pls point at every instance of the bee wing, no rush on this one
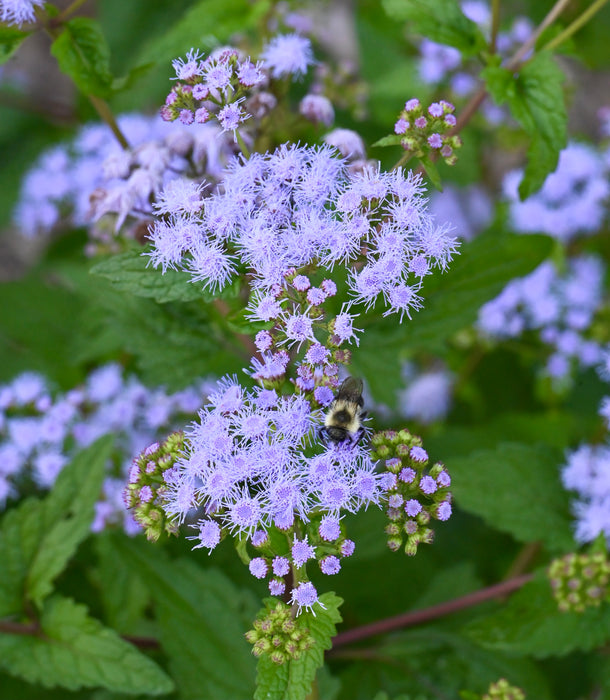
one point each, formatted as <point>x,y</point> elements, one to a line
<point>351,389</point>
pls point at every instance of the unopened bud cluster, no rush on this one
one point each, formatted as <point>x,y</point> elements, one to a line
<point>425,131</point>
<point>502,690</point>
<point>415,493</point>
<point>149,477</point>
<point>279,636</point>
<point>580,581</point>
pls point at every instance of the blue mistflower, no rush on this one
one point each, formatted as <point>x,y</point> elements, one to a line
<point>287,54</point>
<point>305,596</point>
<point>302,551</point>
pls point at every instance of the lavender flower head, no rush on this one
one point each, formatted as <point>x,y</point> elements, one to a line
<point>300,206</point>
<point>18,12</point>
<point>572,200</point>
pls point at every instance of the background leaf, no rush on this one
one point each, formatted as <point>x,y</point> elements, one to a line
<point>531,623</point>
<point>77,651</point>
<point>38,538</point>
<point>10,40</point>
<point>200,615</point>
<point>439,20</point>
<point>535,99</point>
<point>516,488</point>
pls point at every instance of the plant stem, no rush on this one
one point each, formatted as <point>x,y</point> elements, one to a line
<point>528,45</point>
<point>419,617</point>
<point>495,25</point>
<point>71,9</point>
<point>575,25</point>
<point>106,115</point>
<point>242,144</point>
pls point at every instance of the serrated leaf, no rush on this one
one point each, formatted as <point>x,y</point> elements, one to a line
<point>293,680</point>
<point>531,623</point>
<point>452,299</point>
<point>200,619</point>
<point>76,651</point>
<point>38,538</point>
<point>535,99</point>
<point>439,20</point>
<point>10,41</point>
<point>82,53</point>
<point>132,272</point>
<point>516,488</point>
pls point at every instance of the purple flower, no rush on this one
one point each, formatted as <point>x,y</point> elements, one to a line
<point>186,70</point>
<point>258,567</point>
<point>329,529</point>
<point>287,54</point>
<point>330,565</point>
<point>443,510</point>
<point>323,395</point>
<point>281,566</point>
<point>413,507</point>
<point>305,596</point>
<point>427,485</point>
<point>347,548</point>
<point>276,587</point>
<point>318,109</point>
<point>302,551</point>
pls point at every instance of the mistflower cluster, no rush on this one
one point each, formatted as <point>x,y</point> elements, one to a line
<point>41,430</point>
<point>573,200</point>
<point>255,464</point>
<point>503,690</point>
<point>427,396</point>
<point>415,493</point>
<point>425,131</point>
<point>443,65</point>
<point>559,306</point>
<point>580,581</point>
<point>300,206</point>
<point>18,12</point>
<point>278,635</point>
<point>149,476</point>
<point>73,183</point>
<point>217,87</point>
<point>587,472</point>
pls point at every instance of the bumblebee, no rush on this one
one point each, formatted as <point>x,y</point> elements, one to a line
<point>342,422</point>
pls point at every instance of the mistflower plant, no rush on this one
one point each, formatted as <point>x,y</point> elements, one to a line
<point>289,224</point>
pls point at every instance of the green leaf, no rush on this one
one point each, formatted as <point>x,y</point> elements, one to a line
<point>83,54</point>
<point>452,661</point>
<point>132,273</point>
<point>124,595</point>
<point>10,41</point>
<point>38,538</point>
<point>531,623</point>
<point>432,173</point>
<point>535,99</point>
<point>76,651</point>
<point>516,488</point>
<point>293,680</point>
<point>205,25</point>
<point>201,626</point>
<point>37,324</point>
<point>439,20</point>
<point>390,140</point>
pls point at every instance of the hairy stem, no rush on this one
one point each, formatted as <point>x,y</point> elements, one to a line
<point>70,10</point>
<point>419,617</point>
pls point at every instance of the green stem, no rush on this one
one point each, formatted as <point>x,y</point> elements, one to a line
<point>495,25</point>
<point>106,115</point>
<point>575,25</point>
<point>527,46</point>
<point>242,144</point>
<point>71,9</point>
